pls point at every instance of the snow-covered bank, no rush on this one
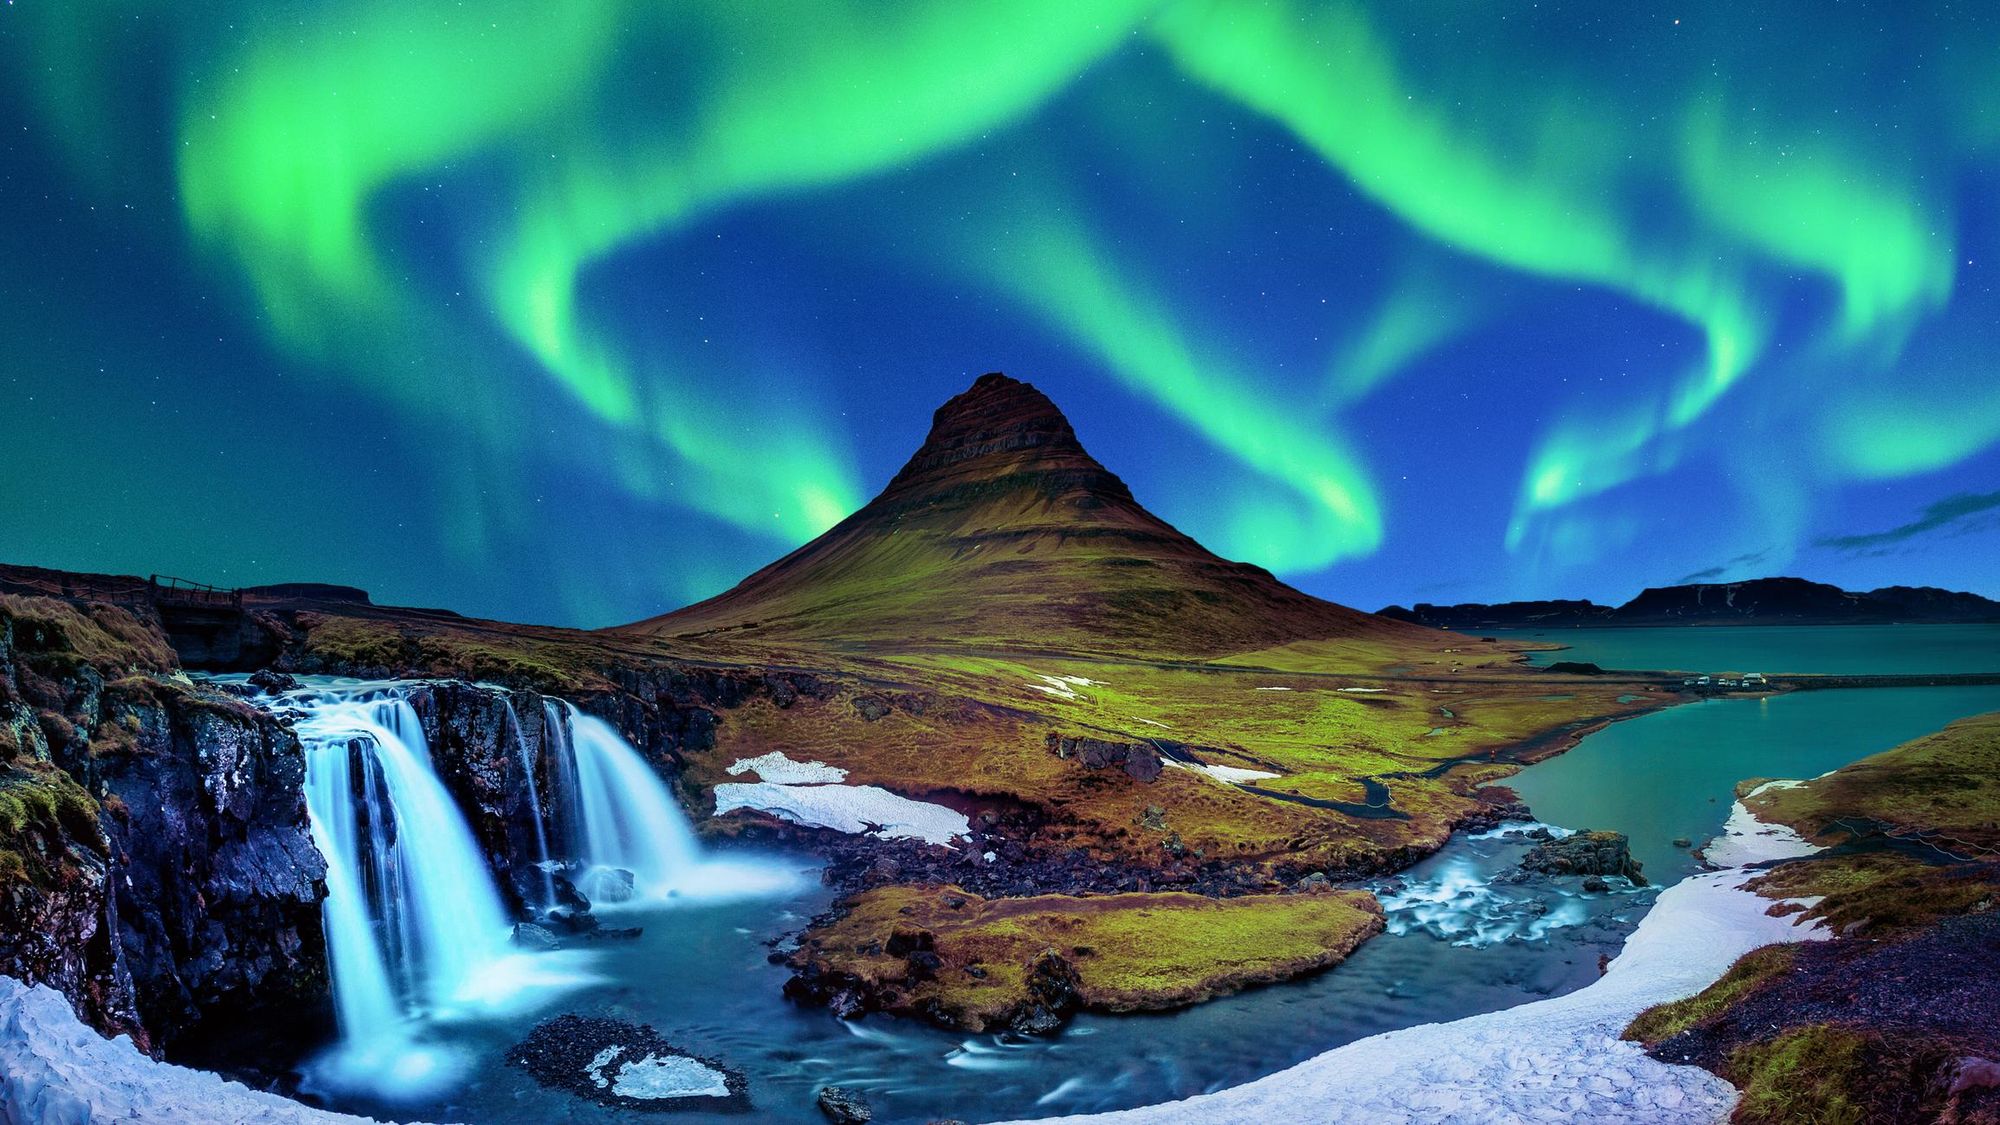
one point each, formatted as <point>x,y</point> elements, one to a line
<point>56,1071</point>
<point>1553,1060</point>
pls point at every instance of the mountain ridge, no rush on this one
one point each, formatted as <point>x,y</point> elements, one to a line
<point>1757,601</point>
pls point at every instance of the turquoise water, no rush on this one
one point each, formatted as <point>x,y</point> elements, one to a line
<point>1672,774</point>
<point>1835,649</point>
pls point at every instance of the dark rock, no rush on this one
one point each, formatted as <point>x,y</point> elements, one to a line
<point>569,1053</point>
<point>1140,760</point>
<point>566,894</point>
<point>1584,853</point>
<point>1055,992</point>
<point>870,707</point>
<point>1683,842</point>
<point>574,921</point>
<point>273,683</point>
<point>615,933</point>
<point>529,936</point>
<point>844,1107</point>
<point>847,1004</point>
<point>1314,884</point>
<point>1595,885</point>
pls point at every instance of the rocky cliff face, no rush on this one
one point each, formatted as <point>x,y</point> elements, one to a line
<point>155,860</point>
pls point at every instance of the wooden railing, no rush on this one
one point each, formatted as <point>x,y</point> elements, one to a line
<point>170,591</point>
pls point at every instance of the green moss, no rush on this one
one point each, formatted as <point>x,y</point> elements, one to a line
<point>1812,1075</point>
<point>1880,892</point>
<point>38,806</point>
<point>1750,971</point>
<point>1130,951</point>
<point>59,636</point>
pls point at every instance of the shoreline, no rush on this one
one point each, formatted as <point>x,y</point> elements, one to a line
<point>1562,1055</point>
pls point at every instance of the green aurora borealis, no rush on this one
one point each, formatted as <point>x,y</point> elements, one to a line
<point>574,312</point>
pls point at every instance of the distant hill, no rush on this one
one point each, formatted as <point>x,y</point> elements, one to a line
<point>1001,530</point>
<point>1761,601</point>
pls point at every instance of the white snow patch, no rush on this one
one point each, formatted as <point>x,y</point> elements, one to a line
<point>56,1071</point>
<point>775,766</point>
<point>1063,687</point>
<point>1363,690</point>
<point>669,1076</point>
<point>857,809</point>
<point>1745,839</point>
<point>1551,1060</point>
<point>595,1067</point>
<point>1274,689</point>
<point>1155,723</point>
<point>1230,774</point>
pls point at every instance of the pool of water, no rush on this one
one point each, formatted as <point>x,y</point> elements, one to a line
<point>1831,649</point>
<point>700,974</point>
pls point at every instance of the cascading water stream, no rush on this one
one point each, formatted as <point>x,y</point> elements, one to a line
<point>535,811</point>
<point>619,814</point>
<point>414,923</point>
<point>417,933</point>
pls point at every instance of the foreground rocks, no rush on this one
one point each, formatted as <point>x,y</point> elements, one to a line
<point>627,1066</point>
<point>156,864</point>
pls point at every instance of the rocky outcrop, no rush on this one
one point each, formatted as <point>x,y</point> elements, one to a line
<point>1584,853</point>
<point>156,865</point>
<point>1139,759</point>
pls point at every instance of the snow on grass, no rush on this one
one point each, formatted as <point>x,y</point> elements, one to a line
<point>776,767</point>
<point>1274,689</point>
<point>1154,723</point>
<point>1553,1060</point>
<point>1231,774</point>
<point>1063,687</point>
<point>1745,839</point>
<point>1363,690</point>
<point>56,1071</point>
<point>857,809</point>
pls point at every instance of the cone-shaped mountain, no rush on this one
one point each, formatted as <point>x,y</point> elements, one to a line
<point>1001,530</point>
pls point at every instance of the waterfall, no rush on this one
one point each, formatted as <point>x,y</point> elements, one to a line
<point>413,913</point>
<point>619,815</point>
<point>415,928</point>
<point>534,803</point>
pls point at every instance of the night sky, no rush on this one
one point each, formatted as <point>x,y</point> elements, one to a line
<point>575,311</point>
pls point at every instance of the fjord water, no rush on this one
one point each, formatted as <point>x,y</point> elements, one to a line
<point>1672,774</point>
<point>1848,650</point>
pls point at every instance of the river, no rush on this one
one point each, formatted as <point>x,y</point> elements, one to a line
<point>1464,938</point>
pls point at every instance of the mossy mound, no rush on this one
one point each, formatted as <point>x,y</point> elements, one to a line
<point>968,962</point>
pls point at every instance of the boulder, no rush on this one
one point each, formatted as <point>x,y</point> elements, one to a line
<point>1141,760</point>
<point>535,938</point>
<point>1585,853</point>
<point>845,1107</point>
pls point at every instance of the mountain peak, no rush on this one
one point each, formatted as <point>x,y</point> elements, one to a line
<point>1002,530</point>
<point>998,426</point>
